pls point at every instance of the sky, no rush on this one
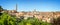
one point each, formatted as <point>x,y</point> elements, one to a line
<point>30,5</point>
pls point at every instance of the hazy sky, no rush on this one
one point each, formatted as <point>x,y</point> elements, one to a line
<point>30,5</point>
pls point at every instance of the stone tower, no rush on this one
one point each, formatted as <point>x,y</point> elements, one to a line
<point>16,7</point>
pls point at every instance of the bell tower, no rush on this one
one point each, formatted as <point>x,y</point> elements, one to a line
<point>16,7</point>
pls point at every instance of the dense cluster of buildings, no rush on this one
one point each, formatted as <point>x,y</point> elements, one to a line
<point>44,16</point>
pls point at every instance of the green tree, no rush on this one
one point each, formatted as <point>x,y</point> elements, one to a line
<point>1,8</point>
<point>6,19</point>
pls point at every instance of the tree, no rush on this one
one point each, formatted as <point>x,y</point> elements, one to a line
<point>6,19</point>
<point>1,8</point>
